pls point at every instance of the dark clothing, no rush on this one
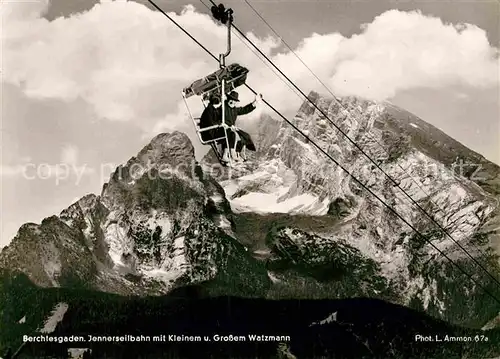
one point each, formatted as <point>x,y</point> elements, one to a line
<point>231,139</point>
<point>245,140</point>
<point>231,113</point>
<point>211,116</point>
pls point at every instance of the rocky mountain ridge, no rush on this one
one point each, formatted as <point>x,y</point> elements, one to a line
<point>164,221</point>
<point>156,225</point>
<point>290,175</point>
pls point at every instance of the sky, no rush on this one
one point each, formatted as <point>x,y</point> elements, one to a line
<point>86,84</point>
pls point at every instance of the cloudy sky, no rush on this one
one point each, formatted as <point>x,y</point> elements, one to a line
<point>86,84</point>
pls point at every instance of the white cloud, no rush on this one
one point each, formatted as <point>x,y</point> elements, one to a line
<point>66,169</point>
<point>24,10</point>
<point>130,63</point>
<point>11,170</point>
<point>404,50</point>
<point>15,170</point>
<point>69,154</point>
<point>124,59</point>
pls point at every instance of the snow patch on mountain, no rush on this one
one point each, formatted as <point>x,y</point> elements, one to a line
<point>268,189</point>
<point>222,222</point>
<point>269,203</point>
<point>330,319</point>
<point>273,277</point>
<point>179,253</point>
<point>78,353</point>
<point>52,263</point>
<point>116,236</point>
<point>55,317</point>
<point>165,276</point>
<point>159,220</point>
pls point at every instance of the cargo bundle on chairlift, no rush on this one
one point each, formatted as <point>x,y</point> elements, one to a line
<point>235,75</point>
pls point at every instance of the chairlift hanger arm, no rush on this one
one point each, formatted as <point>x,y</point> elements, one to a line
<point>225,80</point>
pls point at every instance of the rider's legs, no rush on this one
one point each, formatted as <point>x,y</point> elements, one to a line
<point>241,150</point>
<point>243,153</point>
<point>233,140</point>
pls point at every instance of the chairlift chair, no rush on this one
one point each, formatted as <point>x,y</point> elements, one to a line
<point>221,81</point>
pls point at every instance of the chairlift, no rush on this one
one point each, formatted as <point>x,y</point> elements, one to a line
<point>219,83</point>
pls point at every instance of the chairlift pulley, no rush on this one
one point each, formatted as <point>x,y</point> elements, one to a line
<point>220,13</point>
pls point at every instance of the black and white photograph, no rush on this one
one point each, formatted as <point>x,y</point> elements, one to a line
<point>247,179</point>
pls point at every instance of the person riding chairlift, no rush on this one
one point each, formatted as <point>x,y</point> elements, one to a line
<point>238,139</point>
<point>212,116</point>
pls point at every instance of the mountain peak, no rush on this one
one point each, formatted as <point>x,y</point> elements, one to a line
<point>165,151</point>
<point>173,148</point>
<point>166,156</point>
